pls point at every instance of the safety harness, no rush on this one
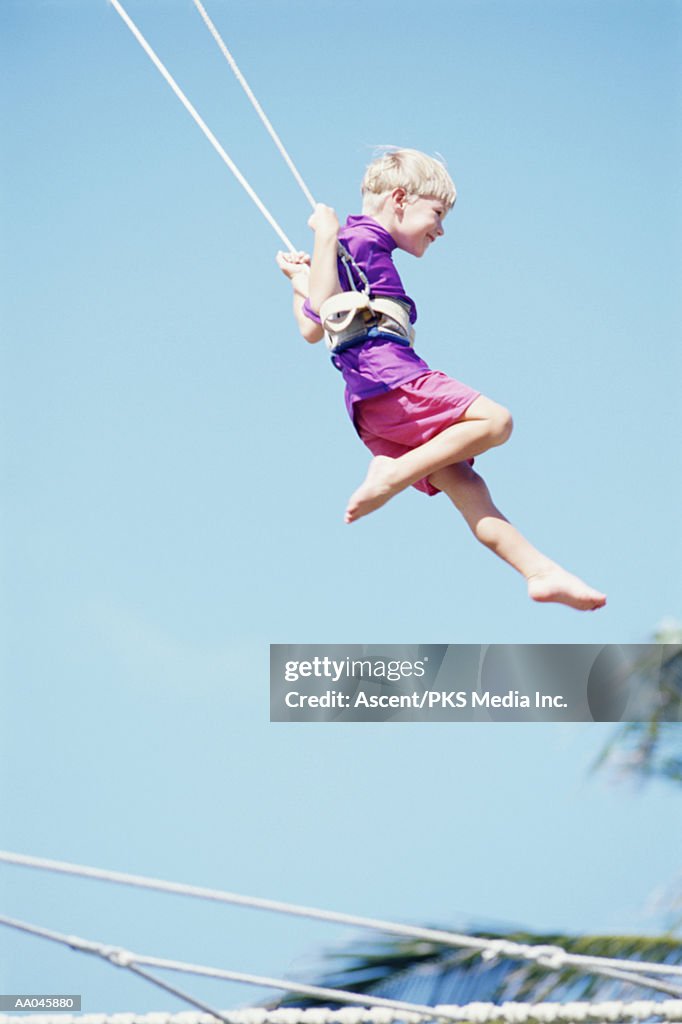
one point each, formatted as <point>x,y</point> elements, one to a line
<point>349,317</point>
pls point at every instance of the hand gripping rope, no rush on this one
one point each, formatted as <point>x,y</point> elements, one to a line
<point>344,254</point>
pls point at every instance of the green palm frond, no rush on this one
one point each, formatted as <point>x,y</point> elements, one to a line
<point>430,973</point>
<point>652,749</point>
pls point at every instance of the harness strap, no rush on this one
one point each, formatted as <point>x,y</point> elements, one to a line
<point>347,316</point>
<point>338,312</point>
<point>349,262</point>
<point>396,311</point>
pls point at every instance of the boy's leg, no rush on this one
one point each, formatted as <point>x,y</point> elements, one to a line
<point>484,425</point>
<point>546,580</point>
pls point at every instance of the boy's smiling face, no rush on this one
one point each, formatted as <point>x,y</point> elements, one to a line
<point>418,221</point>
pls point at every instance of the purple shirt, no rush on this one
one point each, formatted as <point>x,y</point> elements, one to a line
<point>377,364</point>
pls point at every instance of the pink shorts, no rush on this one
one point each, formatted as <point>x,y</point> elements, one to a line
<point>397,421</point>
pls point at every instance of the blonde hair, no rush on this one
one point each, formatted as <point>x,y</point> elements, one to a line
<point>417,173</point>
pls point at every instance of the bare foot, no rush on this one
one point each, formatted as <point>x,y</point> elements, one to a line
<point>561,587</point>
<point>375,491</point>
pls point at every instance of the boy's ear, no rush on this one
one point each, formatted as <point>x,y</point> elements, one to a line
<point>399,197</point>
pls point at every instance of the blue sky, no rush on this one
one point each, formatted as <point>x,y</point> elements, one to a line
<point>176,464</point>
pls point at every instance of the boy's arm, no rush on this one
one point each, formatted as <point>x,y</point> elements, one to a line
<point>324,276</point>
<point>310,330</point>
<point>297,268</point>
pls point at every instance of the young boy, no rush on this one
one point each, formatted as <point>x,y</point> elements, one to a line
<point>423,427</point>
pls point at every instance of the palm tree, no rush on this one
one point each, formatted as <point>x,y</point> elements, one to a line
<point>431,973</point>
<point>644,750</point>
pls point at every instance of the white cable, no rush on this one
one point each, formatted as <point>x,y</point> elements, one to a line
<point>256,105</point>
<point>344,253</point>
<point>202,124</point>
<point>125,958</point>
<point>550,957</point>
<point>315,991</point>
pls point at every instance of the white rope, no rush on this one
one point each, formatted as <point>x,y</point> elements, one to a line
<point>254,102</point>
<point>175,991</point>
<point>202,124</point>
<point>550,957</point>
<point>471,1013</point>
<point>343,251</point>
<point>125,958</point>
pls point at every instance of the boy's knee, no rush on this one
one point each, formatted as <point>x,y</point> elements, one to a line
<point>501,425</point>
